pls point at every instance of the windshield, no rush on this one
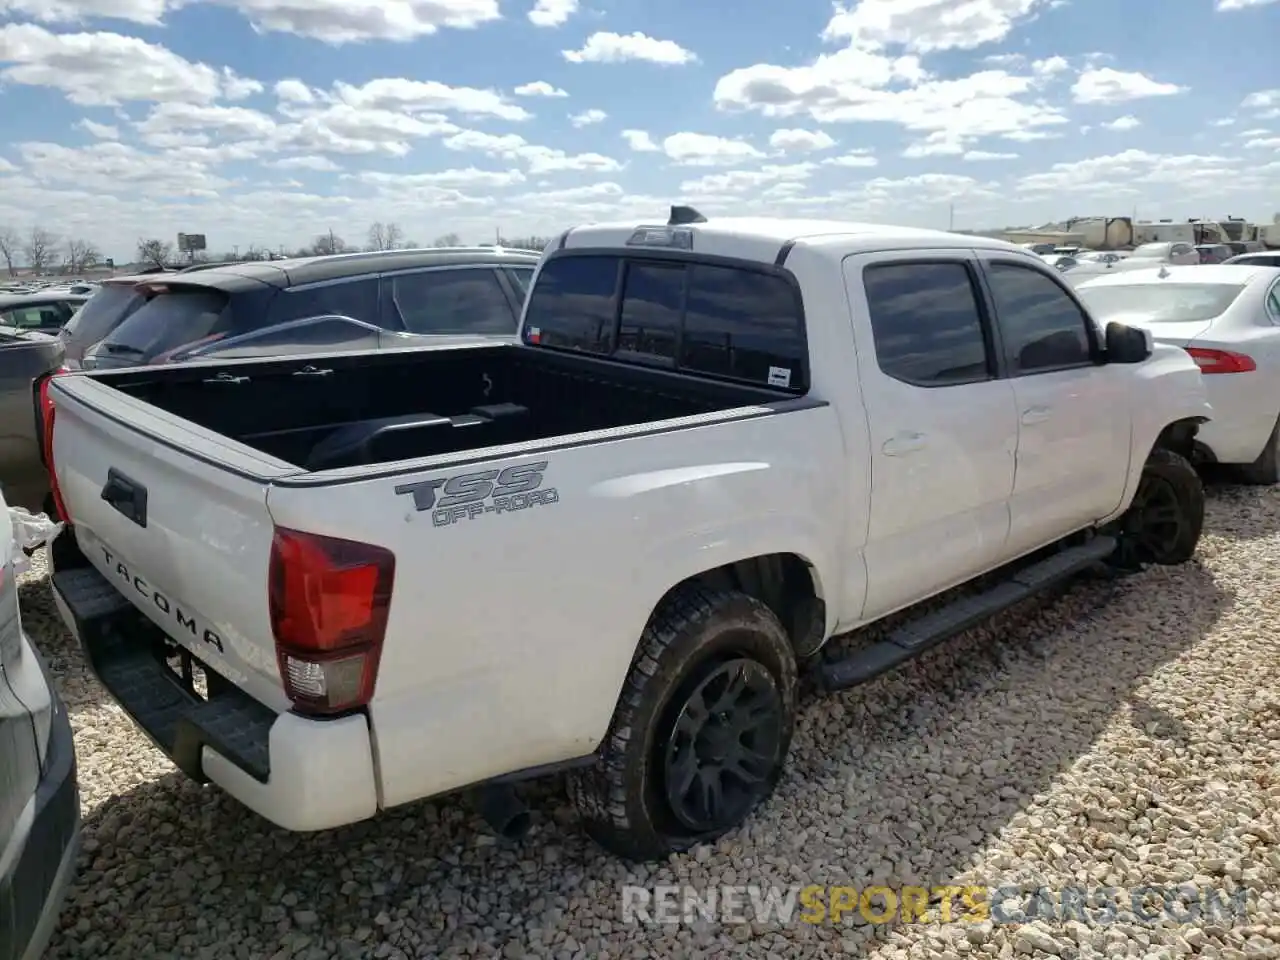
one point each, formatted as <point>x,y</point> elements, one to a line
<point>169,320</point>
<point>1151,250</point>
<point>1159,303</point>
<point>102,312</point>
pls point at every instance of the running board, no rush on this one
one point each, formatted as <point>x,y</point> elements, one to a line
<point>928,631</point>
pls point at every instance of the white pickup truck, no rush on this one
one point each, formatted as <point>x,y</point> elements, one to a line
<point>336,584</point>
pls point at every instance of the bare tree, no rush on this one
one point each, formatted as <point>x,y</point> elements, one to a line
<point>81,255</point>
<point>448,240</point>
<point>327,243</point>
<point>10,242</point>
<point>156,252</point>
<point>40,249</point>
<point>525,243</point>
<point>386,236</point>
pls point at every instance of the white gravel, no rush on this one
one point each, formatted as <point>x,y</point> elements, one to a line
<point>1120,735</point>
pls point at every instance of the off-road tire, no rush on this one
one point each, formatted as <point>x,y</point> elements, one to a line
<point>621,798</point>
<point>1178,477</point>
<point>1266,469</point>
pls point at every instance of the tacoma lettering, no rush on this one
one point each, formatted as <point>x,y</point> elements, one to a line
<point>162,603</point>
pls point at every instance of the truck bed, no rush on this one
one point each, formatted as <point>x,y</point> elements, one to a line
<point>352,410</point>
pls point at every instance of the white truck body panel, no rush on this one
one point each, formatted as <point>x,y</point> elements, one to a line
<point>509,640</point>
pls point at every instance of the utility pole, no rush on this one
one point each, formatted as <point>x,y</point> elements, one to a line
<point>497,236</point>
<point>951,216</point>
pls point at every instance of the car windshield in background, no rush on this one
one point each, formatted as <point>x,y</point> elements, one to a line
<point>1159,303</point>
<point>170,320</point>
<point>102,311</point>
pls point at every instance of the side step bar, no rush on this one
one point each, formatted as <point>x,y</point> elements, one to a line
<point>928,631</point>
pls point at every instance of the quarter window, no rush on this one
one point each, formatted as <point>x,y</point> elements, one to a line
<point>357,299</point>
<point>1040,324</point>
<point>926,323</point>
<point>444,302</point>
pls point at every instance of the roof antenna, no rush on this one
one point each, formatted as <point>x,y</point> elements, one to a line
<point>682,215</point>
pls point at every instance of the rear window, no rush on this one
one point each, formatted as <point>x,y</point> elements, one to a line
<point>726,321</point>
<point>103,311</point>
<point>172,319</point>
<point>1159,303</point>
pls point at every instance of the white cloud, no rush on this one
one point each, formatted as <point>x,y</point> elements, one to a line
<point>397,93</point>
<point>588,118</point>
<point>552,13</point>
<point>540,159</point>
<point>972,156</point>
<point>539,88</point>
<point>605,47</point>
<point>854,158</point>
<point>801,140</point>
<point>640,141</point>
<point>77,11</point>
<point>469,177</point>
<point>1264,104</point>
<point>305,162</point>
<point>106,69</point>
<point>6,166</point>
<point>353,21</point>
<point>739,181</point>
<point>1128,122</point>
<point>1225,5</point>
<point>112,167</point>
<point>704,150</point>
<point>294,91</point>
<point>1263,143</point>
<point>103,131</point>
<point>1105,85</point>
<point>925,26</point>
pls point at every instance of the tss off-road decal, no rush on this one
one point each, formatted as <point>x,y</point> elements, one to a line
<point>465,496</point>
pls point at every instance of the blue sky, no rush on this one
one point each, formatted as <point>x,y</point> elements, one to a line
<point>266,122</point>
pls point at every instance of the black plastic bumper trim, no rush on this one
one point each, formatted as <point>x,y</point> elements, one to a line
<point>121,647</point>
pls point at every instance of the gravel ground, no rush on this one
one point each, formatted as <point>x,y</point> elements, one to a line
<point>1117,735</point>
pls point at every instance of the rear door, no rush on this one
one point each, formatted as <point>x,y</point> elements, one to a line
<point>942,423</point>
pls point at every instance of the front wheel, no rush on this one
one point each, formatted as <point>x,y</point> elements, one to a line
<point>701,731</point>
<point>1164,521</point>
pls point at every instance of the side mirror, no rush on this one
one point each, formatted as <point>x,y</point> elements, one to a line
<point>1128,344</point>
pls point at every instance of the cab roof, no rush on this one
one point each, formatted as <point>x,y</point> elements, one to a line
<point>763,238</point>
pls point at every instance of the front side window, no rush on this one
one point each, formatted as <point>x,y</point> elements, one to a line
<point>453,302</point>
<point>926,323</point>
<point>1040,324</point>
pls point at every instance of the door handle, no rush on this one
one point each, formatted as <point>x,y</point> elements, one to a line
<point>903,443</point>
<point>1036,415</point>
<point>127,496</point>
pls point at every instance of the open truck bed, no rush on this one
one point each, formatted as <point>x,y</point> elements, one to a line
<point>358,410</point>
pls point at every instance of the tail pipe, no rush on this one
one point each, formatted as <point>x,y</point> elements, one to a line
<point>505,813</point>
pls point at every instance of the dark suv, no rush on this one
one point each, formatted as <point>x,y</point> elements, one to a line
<point>116,299</point>
<point>373,301</point>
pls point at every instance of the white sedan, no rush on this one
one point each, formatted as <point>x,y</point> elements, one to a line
<point>1228,318</point>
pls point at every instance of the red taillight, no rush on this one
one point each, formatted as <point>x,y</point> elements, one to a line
<point>46,436</point>
<point>329,600</point>
<point>1221,361</point>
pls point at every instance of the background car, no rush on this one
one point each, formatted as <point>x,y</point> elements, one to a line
<point>43,312</point>
<point>1228,318</point>
<point>1213,252</point>
<point>1267,258</point>
<point>39,797</point>
<point>115,300</point>
<point>373,301</point>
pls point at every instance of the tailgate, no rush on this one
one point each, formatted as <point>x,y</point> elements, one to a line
<point>176,518</point>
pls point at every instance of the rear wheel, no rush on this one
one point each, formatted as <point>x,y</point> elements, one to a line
<point>1266,469</point>
<point>1164,521</point>
<point>702,729</point>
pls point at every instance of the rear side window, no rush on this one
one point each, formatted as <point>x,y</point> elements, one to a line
<point>726,321</point>
<point>357,299</point>
<point>103,312</point>
<point>468,301</point>
<point>521,277</point>
<point>926,323</point>
<point>45,316</point>
<point>1040,324</point>
<point>172,319</point>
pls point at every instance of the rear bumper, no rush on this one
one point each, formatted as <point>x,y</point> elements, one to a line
<point>299,773</point>
<point>34,885</point>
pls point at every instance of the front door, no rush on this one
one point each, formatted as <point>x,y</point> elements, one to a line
<point>1073,411</point>
<point>943,427</point>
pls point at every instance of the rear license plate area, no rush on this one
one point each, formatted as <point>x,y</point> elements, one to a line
<point>186,672</point>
